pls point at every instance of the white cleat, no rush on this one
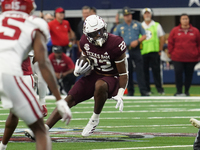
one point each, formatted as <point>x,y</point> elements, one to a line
<point>90,127</point>
<point>29,133</point>
<point>195,123</point>
<point>2,146</point>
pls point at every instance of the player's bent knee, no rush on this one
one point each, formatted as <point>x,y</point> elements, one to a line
<point>70,101</point>
<point>101,86</point>
<point>38,126</point>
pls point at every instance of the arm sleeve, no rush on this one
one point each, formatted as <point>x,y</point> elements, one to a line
<point>160,31</point>
<point>40,25</point>
<point>171,41</point>
<point>142,30</point>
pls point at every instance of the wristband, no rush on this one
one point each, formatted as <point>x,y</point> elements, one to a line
<point>138,41</point>
<point>59,101</point>
<point>122,74</point>
<point>121,92</point>
<point>120,60</point>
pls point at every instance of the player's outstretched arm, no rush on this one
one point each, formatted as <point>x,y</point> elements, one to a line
<point>122,67</point>
<point>40,51</point>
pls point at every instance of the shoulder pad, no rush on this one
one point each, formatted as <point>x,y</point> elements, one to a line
<point>41,25</point>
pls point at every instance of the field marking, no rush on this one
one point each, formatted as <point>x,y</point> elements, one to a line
<point>50,97</point>
<point>175,117</point>
<point>152,147</point>
<point>145,100</point>
<point>134,111</point>
<point>135,126</point>
<point>127,126</point>
<point>139,106</point>
<point>136,118</point>
<point>127,118</point>
<point>142,111</point>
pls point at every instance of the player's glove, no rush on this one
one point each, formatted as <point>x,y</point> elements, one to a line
<point>64,110</point>
<point>119,99</point>
<point>79,69</point>
<point>120,103</point>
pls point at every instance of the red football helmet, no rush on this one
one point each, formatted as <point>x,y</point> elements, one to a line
<point>27,6</point>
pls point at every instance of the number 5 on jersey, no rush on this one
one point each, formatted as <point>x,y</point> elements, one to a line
<point>8,31</point>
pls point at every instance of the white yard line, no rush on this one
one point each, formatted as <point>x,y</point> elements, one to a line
<point>136,118</point>
<point>132,111</point>
<point>143,97</point>
<point>146,101</point>
<point>142,111</point>
<point>130,118</point>
<point>138,106</point>
<point>141,100</point>
<point>136,126</point>
<point>152,147</point>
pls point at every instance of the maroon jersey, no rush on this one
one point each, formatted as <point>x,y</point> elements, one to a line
<point>104,57</point>
<point>26,67</point>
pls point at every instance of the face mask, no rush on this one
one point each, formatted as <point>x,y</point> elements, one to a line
<point>100,41</point>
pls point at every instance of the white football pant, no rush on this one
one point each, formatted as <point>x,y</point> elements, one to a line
<point>18,95</point>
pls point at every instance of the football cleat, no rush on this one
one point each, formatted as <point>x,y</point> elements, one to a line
<point>195,123</point>
<point>90,127</point>
<point>2,146</point>
<point>44,110</point>
<point>29,133</point>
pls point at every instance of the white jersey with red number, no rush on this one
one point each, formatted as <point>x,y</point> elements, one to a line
<point>17,31</point>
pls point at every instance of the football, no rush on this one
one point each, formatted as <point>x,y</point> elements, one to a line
<point>85,59</point>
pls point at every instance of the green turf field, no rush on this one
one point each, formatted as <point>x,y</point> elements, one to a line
<point>146,123</point>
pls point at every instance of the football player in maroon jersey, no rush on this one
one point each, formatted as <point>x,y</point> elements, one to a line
<point>109,76</point>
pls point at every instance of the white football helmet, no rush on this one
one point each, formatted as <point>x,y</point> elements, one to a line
<point>27,6</point>
<point>94,28</point>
